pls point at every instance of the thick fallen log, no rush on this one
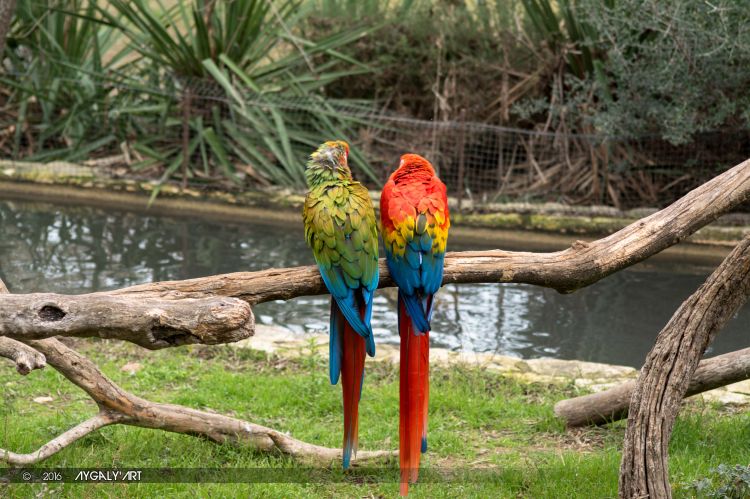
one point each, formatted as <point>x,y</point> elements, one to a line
<point>150,322</point>
<point>582,264</point>
<point>669,367</point>
<point>612,405</point>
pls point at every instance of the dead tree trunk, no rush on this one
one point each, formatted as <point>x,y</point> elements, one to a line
<point>119,406</point>
<point>669,367</point>
<point>612,405</point>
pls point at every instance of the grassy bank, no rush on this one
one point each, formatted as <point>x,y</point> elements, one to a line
<point>490,436</point>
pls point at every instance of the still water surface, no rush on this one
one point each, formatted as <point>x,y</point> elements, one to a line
<point>67,249</point>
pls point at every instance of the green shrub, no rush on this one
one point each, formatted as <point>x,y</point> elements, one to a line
<point>725,482</point>
<point>675,69</point>
<point>59,80</point>
<point>193,89</point>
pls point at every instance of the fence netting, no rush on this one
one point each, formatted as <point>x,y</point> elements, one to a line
<point>479,162</point>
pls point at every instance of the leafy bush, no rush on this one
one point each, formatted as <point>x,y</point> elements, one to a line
<point>165,81</point>
<point>623,68</point>
<point>674,68</point>
<point>57,80</point>
<point>436,59</point>
<point>252,45</point>
<point>725,482</point>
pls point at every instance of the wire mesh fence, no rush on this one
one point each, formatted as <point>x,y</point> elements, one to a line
<point>487,163</point>
<point>478,162</point>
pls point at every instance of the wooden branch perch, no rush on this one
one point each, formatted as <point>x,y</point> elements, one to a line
<point>157,315</point>
<point>165,314</point>
<point>669,367</point>
<point>150,322</point>
<point>566,271</point>
<point>26,358</point>
<point>612,405</point>
<point>118,406</point>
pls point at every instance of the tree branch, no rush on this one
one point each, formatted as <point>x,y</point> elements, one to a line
<point>26,358</point>
<point>150,322</point>
<point>612,405</point>
<point>57,444</point>
<point>566,271</point>
<point>669,367</point>
<point>119,406</point>
<point>133,410</point>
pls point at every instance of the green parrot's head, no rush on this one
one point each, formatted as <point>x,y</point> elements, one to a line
<point>328,162</point>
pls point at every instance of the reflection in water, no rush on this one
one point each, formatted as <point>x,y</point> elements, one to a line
<point>78,250</point>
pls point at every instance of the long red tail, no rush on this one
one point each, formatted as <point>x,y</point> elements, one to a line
<point>352,374</point>
<point>414,394</point>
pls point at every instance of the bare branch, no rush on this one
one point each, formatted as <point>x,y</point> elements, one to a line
<point>136,411</point>
<point>26,358</point>
<point>54,446</point>
<point>118,406</point>
<point>152,323</point>
<point>581,265</point>
<point>612,405</point>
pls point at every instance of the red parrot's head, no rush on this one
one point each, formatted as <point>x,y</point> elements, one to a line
<point>413,166</point>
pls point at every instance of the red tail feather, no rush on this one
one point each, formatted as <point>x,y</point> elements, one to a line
<point>414,386</point>
<point>352,371</point>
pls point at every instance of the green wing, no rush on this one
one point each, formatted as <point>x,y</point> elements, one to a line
<point>340,228</point>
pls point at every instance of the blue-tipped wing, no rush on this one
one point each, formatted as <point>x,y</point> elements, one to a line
<point>418,274</point>
<point>340,228</point>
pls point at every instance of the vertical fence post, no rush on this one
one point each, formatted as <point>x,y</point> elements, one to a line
<point>595,187</point>
<point>186,103</point>
<point>500,159</point>
<point>461,165</point>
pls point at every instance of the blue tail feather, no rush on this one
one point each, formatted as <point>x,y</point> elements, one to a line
<point>416,312</point>
<point>335,348</point>
<point>351,313</point>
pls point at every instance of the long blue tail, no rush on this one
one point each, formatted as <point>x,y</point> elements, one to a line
<point>347,359</point>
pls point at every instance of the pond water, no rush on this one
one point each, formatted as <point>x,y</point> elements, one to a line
<point>67,249</point>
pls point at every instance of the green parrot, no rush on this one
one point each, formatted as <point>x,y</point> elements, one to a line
<point>341,230</point>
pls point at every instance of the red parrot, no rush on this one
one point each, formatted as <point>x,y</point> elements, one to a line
<point>414,222</point>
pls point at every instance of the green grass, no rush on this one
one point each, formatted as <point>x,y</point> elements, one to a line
<point>490,436</point>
